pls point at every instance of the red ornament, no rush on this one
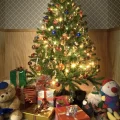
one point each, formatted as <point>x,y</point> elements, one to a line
<point>55,22</point>
<point>33,54</point>
<point>58,48</point>
<point>49,9</point>
<point>81,13</point>
<point>57,84</point>
<point>57,5</point>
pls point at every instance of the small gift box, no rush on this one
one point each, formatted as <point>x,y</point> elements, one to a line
<point>29,114</point>
<point>78,113</point>
<point>18,77</point>
<point>61,101</point>
<point>48,94</point>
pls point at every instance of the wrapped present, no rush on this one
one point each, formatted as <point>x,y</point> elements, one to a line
<point>62,101</point>
<point>72,112</point>
<point>48,94</point>
<point>30,94</point>
<point>30,114</point>
<point>18,77</point>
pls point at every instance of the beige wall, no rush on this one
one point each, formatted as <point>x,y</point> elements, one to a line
<point>114,54</point>
<point>18,45</point>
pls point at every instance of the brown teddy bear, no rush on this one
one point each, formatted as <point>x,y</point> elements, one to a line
<point>9,103</point>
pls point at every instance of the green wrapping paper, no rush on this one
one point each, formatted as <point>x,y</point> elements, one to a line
<point>22,78</point>
<point>13,77</point>
<point>18,78</point>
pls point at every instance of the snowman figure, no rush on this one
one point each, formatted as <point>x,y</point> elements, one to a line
<point>109,93</point>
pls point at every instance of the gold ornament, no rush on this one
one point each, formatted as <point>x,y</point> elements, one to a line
<point>61,66</point>
<point>38,68</point>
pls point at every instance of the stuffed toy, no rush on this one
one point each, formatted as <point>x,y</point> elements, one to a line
<point>93,99</point>
<point>109,92</point>
<point>9,103</point>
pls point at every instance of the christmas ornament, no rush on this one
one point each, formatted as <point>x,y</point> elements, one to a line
<point>49,9</point>
<point>78,34</point>
<point>66,12</point>
<point>40,37</point>
<point>46,17</point>
<point>29,63</point>
<point>33,54</point>
<point>53,32</point>
<point>36,37</point>
<point>65,36</point>
<point>61,66</point>
<point>81,13</point>
<point>58,48</point>
<point>55,22</point>
<point>57,5</point>
<point>33,47</point>
<point>38,68</point>
<point>57,84</point>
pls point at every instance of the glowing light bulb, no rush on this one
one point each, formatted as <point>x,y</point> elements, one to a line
<point>66,28</point>
<point>52,27</point>
<point>58,27</point>
<point>73,65</point>
<point>87,66</point>
<point>81,66</point>
<point>66,70</point>
<point>54,42</point>
<point>42,27</point>
<point>68,3</point>
<point>61,7</point>
<point>60,19</point>
<point>88,54</point>
<point>49,29</point>
<point>53,82</point>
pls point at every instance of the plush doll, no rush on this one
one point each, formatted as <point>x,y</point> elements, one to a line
<point>9,103</point>
<point>109,92</point>
<point>94,100</point>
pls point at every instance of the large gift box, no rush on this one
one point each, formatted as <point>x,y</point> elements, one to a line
<point>48,94</point>
<point>61,114</point>
<point>29,114</point>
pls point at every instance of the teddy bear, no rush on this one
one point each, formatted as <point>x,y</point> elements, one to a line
<point>9,103</point>
<point>110,98</point>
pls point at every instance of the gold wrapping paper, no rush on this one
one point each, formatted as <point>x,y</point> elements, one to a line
<point>29,114</point>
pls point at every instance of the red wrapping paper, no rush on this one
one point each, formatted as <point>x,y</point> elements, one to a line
<point>30,94</point>
<point>61,114</point>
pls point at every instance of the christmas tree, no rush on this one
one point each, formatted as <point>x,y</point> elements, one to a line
<point>63,49</point>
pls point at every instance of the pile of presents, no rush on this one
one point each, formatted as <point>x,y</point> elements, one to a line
<point>41,103</point>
